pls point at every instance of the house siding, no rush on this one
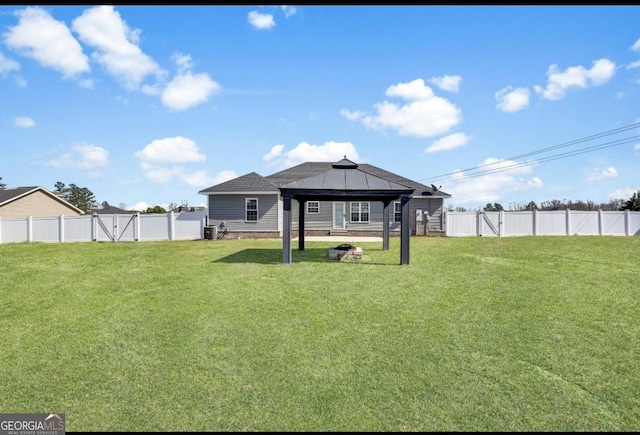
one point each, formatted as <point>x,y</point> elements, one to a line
<point>36,204</point>
<point>231,210</point>
<point>324,220</point>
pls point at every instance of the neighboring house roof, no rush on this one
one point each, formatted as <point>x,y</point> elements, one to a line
<point>254,182</point>
<point>10,195</point>
<point>111,210</point>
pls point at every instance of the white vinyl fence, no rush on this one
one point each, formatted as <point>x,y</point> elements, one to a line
<point>542,223</point>
<point>104,227</point>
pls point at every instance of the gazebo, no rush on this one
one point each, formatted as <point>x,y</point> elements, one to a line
<point>345,181</point>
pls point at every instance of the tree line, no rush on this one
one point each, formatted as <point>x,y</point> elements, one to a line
<point>632,203</point>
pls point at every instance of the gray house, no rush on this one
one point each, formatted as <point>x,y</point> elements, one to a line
<point>252,205</point>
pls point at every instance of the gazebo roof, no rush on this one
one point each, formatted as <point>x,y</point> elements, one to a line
<point>345,179</point>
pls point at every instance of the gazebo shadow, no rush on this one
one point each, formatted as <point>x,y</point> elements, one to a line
<point>308,255</point>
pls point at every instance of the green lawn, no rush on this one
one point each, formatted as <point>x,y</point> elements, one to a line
<point>476,334</point>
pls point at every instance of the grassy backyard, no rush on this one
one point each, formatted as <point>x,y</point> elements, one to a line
<point>476,334</point>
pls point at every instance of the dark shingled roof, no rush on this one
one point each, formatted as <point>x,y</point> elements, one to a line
<point>345,175</point>
<point>254,182</point>
<point>251,182</point>
<point>8,195</point>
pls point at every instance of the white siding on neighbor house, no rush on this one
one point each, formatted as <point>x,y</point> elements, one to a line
<point>35,204</point>
<point>231,210</point>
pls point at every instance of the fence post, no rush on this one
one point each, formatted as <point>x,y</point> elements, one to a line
<point>568,222</point>
<point>534,216</point>
<point>29,229</point>
<point>627,222</point>
<point>136,227</point>
<point>444,218</point>
<point>600,223</point>
<point>61,228</point>
<point>501,223</point>
<point>479,224</point>
<point>94,229</point>
<point>172,233</point>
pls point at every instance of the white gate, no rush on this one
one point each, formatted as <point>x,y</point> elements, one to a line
<point>115,227</point>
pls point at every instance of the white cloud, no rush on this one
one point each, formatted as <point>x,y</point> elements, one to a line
<point>7,65</point>
<point>624,193</point>
<point>86,83</point>
<point>600,174</point>
<point>450,142</point>
<point>159,160</point>
<point>275,151</point>
<point>512,100</point>
<point>261,21</point>
<point>188,90</point>
<point>39,36</point>
<point>140,206</point>
<point>160,174</point>
<point>635,47</point>
<point>24,122</point>
<point>200,178</point>
<point>116,44</point>
<point>575,77</point>
<point>183,61</point>
<point>20,82</point>
<point>83,156</point>
<point>305,152</point>
<point>176,149</point>
<point>352,116</point>
<point>637,149</point>
<point>492,187</point>
<point>447,83</point>
<point>289,10</point>
<point>424,115</point>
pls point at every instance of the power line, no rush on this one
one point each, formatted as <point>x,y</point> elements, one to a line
<point>515,165</point>
<point>542,150</point>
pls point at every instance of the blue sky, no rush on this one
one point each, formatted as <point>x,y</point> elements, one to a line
<point>148,105</point>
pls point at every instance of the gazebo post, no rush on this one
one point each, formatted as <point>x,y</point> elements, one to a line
<point>301,205</point>
<point>286,237</point>
<point>404,231</point>
<point>385,225</point>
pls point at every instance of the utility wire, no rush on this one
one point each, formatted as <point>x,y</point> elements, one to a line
<point>515,165</point>
<point>542,150</point>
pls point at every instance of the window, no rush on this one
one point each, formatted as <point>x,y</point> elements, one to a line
<point>251,209</point>
<point>313,207</point>
<point>397,211</point>
<point>359,212</point>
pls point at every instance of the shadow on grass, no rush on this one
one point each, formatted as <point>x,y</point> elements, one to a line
<point>309,255</point>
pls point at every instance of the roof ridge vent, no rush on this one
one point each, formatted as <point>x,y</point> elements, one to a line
<point>345,164</point>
